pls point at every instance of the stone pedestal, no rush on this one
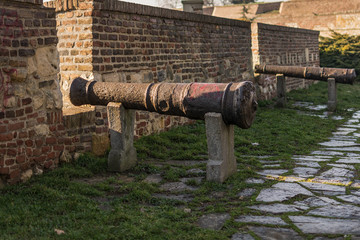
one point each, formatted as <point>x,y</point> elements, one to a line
<point>220,141</point>
<point>331,95</point>
<point>280,90</point>
<point>122,155</point>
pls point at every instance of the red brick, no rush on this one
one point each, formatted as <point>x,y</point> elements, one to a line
<point>6,137</point>
<point>20,159</point>
<point>29,110</point>
<point>19,113</point>
<point>29,152</point>
<point>50,140</point>
<point>36,152</point>
<point>19,142</point>
<point>45,149</point>
<point>23,135</point>
<point>9,162</point>
<point>51,155</point>
<point>40,120</point>
<point>11,145</point>
<point>39,142</point>
<point>29,143</point>
<point>33,115</point>
<point>4,170</point>
<point>58,148</point>
<point>26,101</point>
<point>16,126</point>
<point>3,129</point>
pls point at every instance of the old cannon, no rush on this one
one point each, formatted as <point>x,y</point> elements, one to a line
<point>331,75</point>
<point>222,105</point>
<point>235,101</point>
<point>341,75</point>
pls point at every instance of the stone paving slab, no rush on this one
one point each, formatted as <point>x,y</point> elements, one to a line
<point>305,171</point>
<point>337,143</point>
<point>350,198</point>
<point>261,220</point>
<point>349,160</point>
<point>281,192</point>
<point>213,221</point>
<point>279,208</point>
<point>267,233</point>
<point>255,180</point>
<point>327,153</point>
<point>317,202</point>
<point>337,211</point>
<point>242,236</point>
<point>323,187</point>
<point>317,225</point>
<point>309,164</point>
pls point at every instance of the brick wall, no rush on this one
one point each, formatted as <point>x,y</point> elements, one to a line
<point>322,15</point>
<point>34,134</point>
<point>116,41</point>
<point>30,100</point>
<point>283,46</point>
<point>43,48</point>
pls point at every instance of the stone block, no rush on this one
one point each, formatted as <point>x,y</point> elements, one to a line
<point>122,155</point>
<point>331,95</point>
<point>100,144</point>
<point>220,141</point>
<point>280,90</point>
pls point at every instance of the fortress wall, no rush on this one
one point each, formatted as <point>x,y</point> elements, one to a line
<point>283,46</point>
<point>320,15</point>
<point>30,99</point>
<point>44,46</point>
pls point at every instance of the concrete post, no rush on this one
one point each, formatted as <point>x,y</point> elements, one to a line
<point>122,155</point>
<point>280,90</point>
<point>331,95</point>
<point>195,6</point>
<point>220,141</point>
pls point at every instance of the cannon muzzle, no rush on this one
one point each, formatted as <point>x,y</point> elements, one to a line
<point>235,101</point>
<point>341,75</point>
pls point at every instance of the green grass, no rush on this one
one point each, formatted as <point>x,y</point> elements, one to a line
<point>114,207</point>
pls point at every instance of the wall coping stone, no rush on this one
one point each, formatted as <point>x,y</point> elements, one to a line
<point>126,7</point>
<point>270,27</point>
<point>37,2</point>
<point>134,8</point>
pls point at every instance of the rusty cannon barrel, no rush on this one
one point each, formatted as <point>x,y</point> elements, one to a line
<point>235,101</point>
<point>341,75</point>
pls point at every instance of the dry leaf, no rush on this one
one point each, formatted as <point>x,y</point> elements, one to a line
<point>59,232</point>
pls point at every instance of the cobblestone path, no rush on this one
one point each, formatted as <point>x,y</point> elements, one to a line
<point>319,197</point>
<point>331,197</point>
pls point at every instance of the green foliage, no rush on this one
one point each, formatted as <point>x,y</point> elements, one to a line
<point>340,51</point>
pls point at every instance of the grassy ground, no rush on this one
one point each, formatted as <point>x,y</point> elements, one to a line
<point>86,202</point>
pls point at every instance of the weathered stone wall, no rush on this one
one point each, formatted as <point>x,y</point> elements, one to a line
<point>283,46</point>
<point>43,48</point>
<point>322,15</point>
<point>30,99</point>
<point>117,41</point>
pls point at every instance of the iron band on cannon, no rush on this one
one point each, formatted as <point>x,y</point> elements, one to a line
<point>221,105</point>
<point>331,75</point>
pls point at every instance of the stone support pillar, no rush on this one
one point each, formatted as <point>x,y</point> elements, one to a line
<point>331,95</point>
<point>220,141</point>
<point>280,90</point>
<point>122,155</point>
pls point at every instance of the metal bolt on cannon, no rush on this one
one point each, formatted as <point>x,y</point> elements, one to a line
<point>221,105</point>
